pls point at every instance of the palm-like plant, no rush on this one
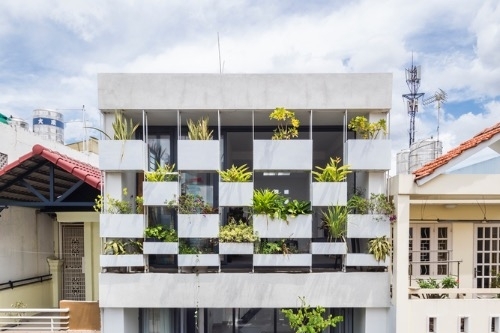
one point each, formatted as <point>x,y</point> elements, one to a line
<point>332,172</point>
<point>334,220</point>
<point>236,174</point>
<point>199,130</point>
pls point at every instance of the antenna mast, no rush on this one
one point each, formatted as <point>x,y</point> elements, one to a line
<point>439,97</point>
<point>413,75</point>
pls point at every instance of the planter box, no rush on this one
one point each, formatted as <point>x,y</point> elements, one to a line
<point>121,225</point>
<point>363,259</point>
<point>198,155</point>
<point>200,260</point>
<point>329,248</point>
<point>160,248</point>
<point>235,194</point>
<point>282,154</point>
<point>122,155</point>
<point>369,154</point>
<point>297,259</point>
<point>236,248</point>
<point>121,260</point>
<point>368,225</point>
<point>198,225</point>
<point>329,194</point>
<point>297,227</point>
<point>159,193</point>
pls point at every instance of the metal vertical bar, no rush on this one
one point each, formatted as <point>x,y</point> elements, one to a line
<point>51,182</point>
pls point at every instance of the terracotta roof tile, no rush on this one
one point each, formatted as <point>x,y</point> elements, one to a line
<point>483,136</point>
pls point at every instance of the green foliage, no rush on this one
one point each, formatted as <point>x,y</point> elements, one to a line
<point>310,320</point>
<point>495,280</point>
<point>277,247</point>
<point>124,130</point>
<point>380,247</point>
<point>236,174</point>
<point>277,206</point>
<point>376,204</point>
<point>236,233</point>
<point>114,206</point>
<point>446,283</point>
<point>118,246</point>
<point>334,220</point>
<point>199,130</point>
<point>332,172</point>
<point>184,248</point>
<point>163,173</point>
<point>367,130</point>
<point>191,204</point>
<point>161,233</point>
<point>288,124</point>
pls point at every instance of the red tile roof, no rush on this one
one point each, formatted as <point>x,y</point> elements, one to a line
<point>430,167</point>
<point>84,171</point>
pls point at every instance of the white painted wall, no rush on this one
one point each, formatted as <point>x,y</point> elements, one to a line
<point>120,320</point>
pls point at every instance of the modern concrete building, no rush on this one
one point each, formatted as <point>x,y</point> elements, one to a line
<point>449,226</point>
<point>170,289</point>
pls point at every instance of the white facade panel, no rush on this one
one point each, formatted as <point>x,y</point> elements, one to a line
<point>198,225</point>
<point>328,248</point>
<point>160,247</point>
<point>236,248</point>
<point>296,227</point>
<point>122,155</point>
<point>369,154</point>
<point>235,194</point>
<point>282,154</point>
<point>159,193</point>
<point>121,260</point>
<point>198,155</point>
<point>365,259</point>
<point>368,225</point>
<point>329,194</point>
<point>277,260</point>
<point>121,225</point>
<point>198,260</point>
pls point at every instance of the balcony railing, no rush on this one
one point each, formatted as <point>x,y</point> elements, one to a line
<point>49,320</point>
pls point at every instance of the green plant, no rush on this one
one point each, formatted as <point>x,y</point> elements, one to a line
<point>277,206</point>
<point>367,130</point>
<point>310,320</point>
<point>236,233</point>
<point>123,129</point>
<point>118,246</point>
<point>236,174</point>
<point>199,130</point>
<point>380,247</point>
<point>495,280</point>
<point>334,220</point>
<point>191,204</point>
<point>161,233</point>
<point>185,248</point>
<point>446,283</point>
<point>114,206</point>
<point>332,172</point>
<point>288,124</point>
<point>163,173</point>
<point>376,204</point>
<point>277,247</point>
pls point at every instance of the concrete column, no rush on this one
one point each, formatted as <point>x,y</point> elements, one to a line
<point>120,320</point>
<point>400,268</point>
<point>55,268</point>
<point>376,320</point>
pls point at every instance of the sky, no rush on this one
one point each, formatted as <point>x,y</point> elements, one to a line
<point>51,51</point>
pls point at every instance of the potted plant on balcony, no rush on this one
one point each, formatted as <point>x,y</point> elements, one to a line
<point>330,186</point>
<point>120,217</point>
<point>367,153</point>
<point>195,256</point>
<point>160,240</point>
<point>369,218</point>
<point>275,216</point>
<point>160,185</point>
<point>280,253</point>
<point>119,253</point>
<point>430,283</point>
<point>236,238</point>
<point>310,320</point>
<point>200,152</point>
<point>236,187</point>
<point>122,152</point>
<point>196,218</point>
<point>334,222</point>
<point>281,152</point>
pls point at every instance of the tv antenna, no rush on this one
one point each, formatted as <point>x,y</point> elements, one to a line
<point>439,98</point>
<point>413,76</point>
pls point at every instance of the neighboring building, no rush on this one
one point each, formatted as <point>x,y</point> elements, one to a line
<point>49,232</point>
<point>168,291</point>
<point>449,225</point>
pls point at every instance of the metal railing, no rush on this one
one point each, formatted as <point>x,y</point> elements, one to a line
<point>25,282</point>
<point>49,320</point>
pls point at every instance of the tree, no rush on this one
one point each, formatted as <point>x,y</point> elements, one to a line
<point>309,320</point>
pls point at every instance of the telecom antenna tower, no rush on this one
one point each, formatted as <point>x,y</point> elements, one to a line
<point>439,98</point>
<point>413,75</point>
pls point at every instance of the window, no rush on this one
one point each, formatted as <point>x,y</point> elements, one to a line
<point>3,160</point>
<point>429,249</point>
<point>463,324</point>
<point>494,323</point>
<point>432,321</point>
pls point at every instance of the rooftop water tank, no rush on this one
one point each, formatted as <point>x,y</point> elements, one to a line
<point>49,124</point>
<point>402,162</point>
<point>423,152</point>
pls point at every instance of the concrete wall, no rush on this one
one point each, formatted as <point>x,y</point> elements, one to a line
<point>83,315</point>
<point>244,91</point>
<point>38,295</point>
<point>243,290</point>
<point>448,312</point>
<point>27,241</point>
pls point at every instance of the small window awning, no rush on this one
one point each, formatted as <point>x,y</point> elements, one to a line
<point>50,181</point>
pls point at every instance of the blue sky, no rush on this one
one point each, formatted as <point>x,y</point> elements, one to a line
<point>51,51</point>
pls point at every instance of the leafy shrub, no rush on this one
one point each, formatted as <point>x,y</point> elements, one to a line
<point>114,206</point>
<point>277,206</point>
<point>191,204</point>
<point>161,233</point>
<point>236,233</point>
<point>367,130</point>
<point>288,126</point>
<point>332,172</point>
<point>163,173</point>
<point>236,174</point>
